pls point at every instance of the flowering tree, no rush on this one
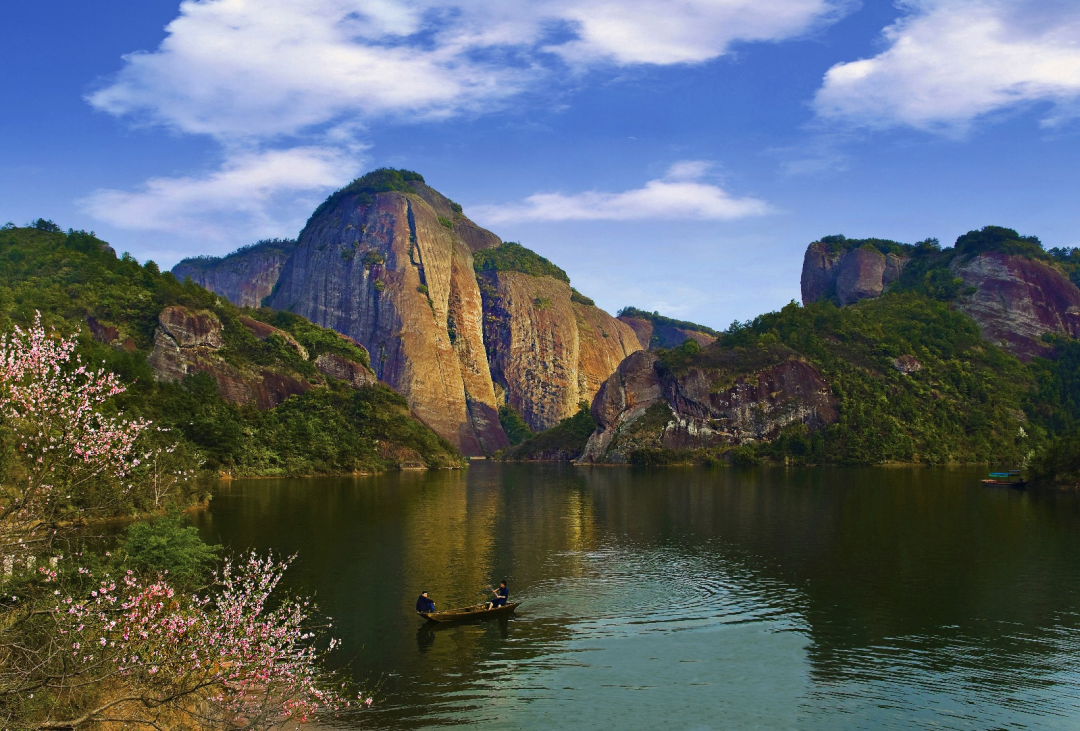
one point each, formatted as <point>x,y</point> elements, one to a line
<point>70,457</point>
<point>130,651</point>
<point>141,653</point>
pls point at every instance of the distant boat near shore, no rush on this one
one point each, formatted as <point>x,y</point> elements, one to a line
<point>1011,479</point>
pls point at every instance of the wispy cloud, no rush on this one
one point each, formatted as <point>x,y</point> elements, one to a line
<point>681,194</point>
<point>237,203</point>
<point>949,62</point>
<point>301,81</point>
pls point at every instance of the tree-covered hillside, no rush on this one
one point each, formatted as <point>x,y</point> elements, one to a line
<point>78,283</point>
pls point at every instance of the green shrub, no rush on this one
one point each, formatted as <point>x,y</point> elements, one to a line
<point>581,299</point>
<point>513,425</point>
<point>513,257</point>
<point>564,441</point>
<point>372,257</point>
<point>446,222</point>
<point>167,546</point>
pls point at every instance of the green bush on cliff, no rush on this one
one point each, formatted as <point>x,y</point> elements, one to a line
<point>581,299</point>
<point>365,188</point>
<point>513,257</point>
<point>517,431</point>
<point>73,277</point>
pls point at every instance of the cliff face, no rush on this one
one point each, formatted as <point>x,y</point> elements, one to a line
<point>1017,300</point>
<point>394,271</point>
<point>547,352</point>
<point>244,277</point>
<point>390,275</point>
<point>645,405</point>
<point>850,275</point>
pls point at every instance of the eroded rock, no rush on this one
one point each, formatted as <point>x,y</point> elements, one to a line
<point>1017,300</point>
<point>643,405</point>
<point>548,352</point>
<point>352,373</point>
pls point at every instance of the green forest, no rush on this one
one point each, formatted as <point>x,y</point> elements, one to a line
<point>333,428</point>
<point>970,401</point>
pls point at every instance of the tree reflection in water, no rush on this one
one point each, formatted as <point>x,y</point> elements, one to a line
<point>817,598</point>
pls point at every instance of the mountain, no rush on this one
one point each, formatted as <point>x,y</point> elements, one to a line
<point>456,321</point>
<point>1007,283</point>
<point>255,392</point>
<point>656,331</point>
<point>901,353</point>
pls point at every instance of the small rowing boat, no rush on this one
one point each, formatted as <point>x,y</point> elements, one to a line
<point>478,611</point>
<point>1006,479</point>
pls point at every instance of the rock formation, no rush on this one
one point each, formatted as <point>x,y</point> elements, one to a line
<point>1018,299</point>
<point>663,335</point>
<point>386,271</point>
<point>548,352</point>
<point>188,342</point>
<point>848,274</point>
<point>1015,298</point>
<point>244,277</point>
<point>645,405</point>
<point>388,261</point>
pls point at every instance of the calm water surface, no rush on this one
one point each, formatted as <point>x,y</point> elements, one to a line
<point>688,599</point>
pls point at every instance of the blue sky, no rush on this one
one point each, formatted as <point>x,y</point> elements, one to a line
<point>672,154</point>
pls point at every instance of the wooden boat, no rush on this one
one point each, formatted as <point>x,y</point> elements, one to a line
<point>1006,479</point>
<point>478,611</point>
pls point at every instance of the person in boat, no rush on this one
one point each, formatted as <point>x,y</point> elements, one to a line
<point>424,605</point>
<point>502,595</point>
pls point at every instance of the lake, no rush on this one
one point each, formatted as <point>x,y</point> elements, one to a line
<point>687,598</point>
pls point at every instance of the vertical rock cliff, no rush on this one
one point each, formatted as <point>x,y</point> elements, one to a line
<point>386,271</point>
<point>848,270</point>
<point>1016,300</point>
<point>546,351</point>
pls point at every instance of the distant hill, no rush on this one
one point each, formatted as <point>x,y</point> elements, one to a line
<point>656,331</point>
<point>254,391</point>
<point>901,353</point>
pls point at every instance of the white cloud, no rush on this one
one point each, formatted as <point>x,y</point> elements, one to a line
<point>259,74</point>
<point>236,204</point>
<point>682,31</point>
<point>950,62</point>
<point>679,195</point>
<point>241,68</point>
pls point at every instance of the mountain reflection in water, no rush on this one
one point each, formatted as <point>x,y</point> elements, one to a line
<point>692,599</point>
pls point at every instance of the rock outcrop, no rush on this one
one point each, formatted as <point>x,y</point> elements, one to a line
<point>644,405</point>
<point>848,274</point>
<point>244,277</point>
<point>386,271</point>
<point>1018,299</point>
<point>547,352</point>
<point>187,342</point>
